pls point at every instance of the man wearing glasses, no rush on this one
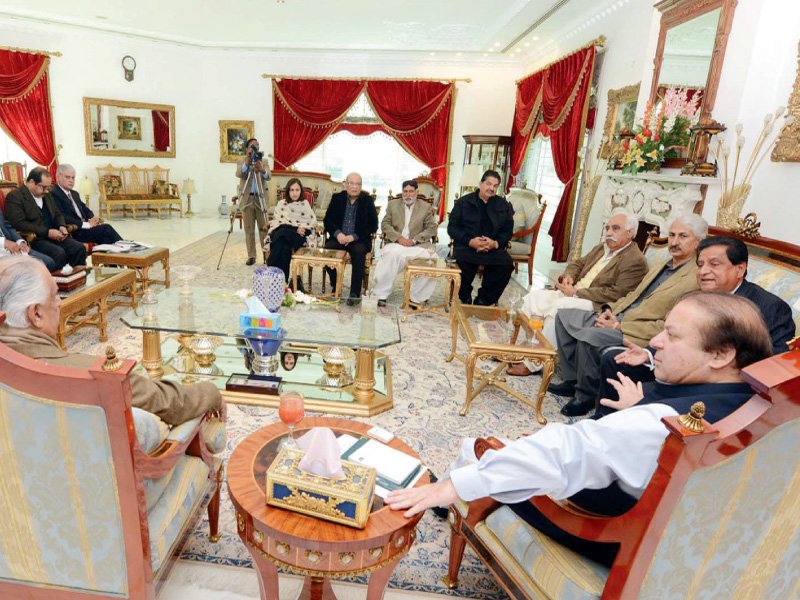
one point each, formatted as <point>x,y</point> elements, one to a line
<point>350,221</point>
<point>29,208</point>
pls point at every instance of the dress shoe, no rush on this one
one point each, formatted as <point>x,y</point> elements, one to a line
<point>577,407</point>
<point>381,303</point>
<point>518,370</point>
<point>562,388</point>
<point>352,301</point>
<point>250,261</point>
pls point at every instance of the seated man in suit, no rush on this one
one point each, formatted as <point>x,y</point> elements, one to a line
<point>29,297</point>
<point>604,466</point>
<point>481,224</point>
<point>582,334</point>
<point>409,226</point>
<point>12,243</point>
<point>89,229</point>
<point>350,221</point>
<point>31,208</point>
<point>721,267</point>
<point>608,272</point>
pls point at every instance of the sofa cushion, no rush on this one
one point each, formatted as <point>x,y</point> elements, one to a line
<point>112,184</point>
<point>160,187</point>
<point>167,518</point>
<point>150,430</point>
<point>526,213</point>
<point>559,572</point>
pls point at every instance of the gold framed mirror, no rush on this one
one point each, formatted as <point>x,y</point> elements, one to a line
<point>123,128</point>
<point>691,47</point>
<point>620,114</point>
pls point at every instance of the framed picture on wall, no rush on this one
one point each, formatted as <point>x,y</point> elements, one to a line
<point>232,138</point>
<point>620,115</point>
<point>129,128</point>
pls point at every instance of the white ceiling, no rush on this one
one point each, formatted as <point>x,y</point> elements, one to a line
<point>401,26</point>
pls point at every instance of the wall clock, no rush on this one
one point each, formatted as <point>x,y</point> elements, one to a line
<point>129,64</point>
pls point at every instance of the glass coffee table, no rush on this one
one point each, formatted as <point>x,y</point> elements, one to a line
<point>204,341</point>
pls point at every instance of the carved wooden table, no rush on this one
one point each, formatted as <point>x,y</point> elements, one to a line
<point>88,305</point>
<point>489,335</point>
<point>318,257</point>
<point>140,261</point>
<point>318,549</point>
<point>435,269</point>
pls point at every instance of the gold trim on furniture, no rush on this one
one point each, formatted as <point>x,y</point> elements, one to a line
<point>787,149</point>
<point>227,153</point>
<point>99,145</point>
<point>627,94</point>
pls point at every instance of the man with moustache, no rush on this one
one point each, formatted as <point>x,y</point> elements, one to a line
<point>609,271</point>
<point>582,335</point>
<point>409,227</point>
<point>721,267</point>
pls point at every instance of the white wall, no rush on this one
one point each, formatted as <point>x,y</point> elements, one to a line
<point>206,86</point>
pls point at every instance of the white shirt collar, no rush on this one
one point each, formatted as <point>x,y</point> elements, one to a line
<point>608,256</point>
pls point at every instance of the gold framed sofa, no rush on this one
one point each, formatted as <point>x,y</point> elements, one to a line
<point>133,189</point>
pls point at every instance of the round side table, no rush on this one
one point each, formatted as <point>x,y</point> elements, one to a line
<point>304,545</point>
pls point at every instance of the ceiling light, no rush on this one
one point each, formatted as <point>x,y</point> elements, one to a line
<point>535,38</point>
<point>527,44</point>
<point>433,53</point>
<point>459,53</point>
<point>497,43</point>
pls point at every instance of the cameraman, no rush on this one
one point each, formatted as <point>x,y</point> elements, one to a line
<point>252,200</point>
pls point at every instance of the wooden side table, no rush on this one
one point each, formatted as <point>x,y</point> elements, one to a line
<point>140,261</point>
<point>318,549</point>
<point>435,269</point>
<point>318,257</point>
<point>494,345</point>
<point>88,305</point>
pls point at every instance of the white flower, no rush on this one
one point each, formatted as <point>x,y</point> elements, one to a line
<point>768,118</point>
<point>243,293</point>
<point>739,129</point>
<point>740,141</point>
<point>779,111</point>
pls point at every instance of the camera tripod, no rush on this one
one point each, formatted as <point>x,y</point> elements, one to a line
<point>255,184</point>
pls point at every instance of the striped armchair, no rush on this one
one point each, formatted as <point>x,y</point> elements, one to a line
<point>95,495</point>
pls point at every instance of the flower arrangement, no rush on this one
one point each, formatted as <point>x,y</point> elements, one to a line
<point>664,134</point>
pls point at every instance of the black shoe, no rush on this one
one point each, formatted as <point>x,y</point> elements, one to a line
<point>352,301</point>
<point>250,261</point>
<point>562,388</point>
<point>440,511</point>
<point>481,302</point>
<point>577,408</point>
<point>381,302</point>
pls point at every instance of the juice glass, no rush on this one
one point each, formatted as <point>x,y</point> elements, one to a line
<point>535,322</point>
<point>291,412</point>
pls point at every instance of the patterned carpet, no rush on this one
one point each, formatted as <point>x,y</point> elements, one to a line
<point>428,393</point>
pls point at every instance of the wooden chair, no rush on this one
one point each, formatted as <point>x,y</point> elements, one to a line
<point>14,172</point>
<point>311,195</point>
<point>96,495</point>
<point>719,518</point>
<point>528,214</point>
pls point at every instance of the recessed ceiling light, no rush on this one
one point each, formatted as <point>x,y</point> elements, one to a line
<point>497,43</point>
<point>535,38</point>
<point>527,44</point>
<point>101,17</point>
<point>485,54</point>
<point>459,53</point>
<point>433,53</point>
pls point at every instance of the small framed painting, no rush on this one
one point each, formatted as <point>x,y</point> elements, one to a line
<point>129,128</point>
<point>232,138</point>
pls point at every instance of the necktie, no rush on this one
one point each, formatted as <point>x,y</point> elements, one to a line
<point>74,204</point>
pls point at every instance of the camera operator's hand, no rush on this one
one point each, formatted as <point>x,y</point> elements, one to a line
<point>259,167</point>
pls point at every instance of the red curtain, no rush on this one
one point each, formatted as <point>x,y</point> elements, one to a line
<point>527,112</point>
<point>161,130</point>
<point>306,111</point>
<point>417,114</point>
<point>565,98</point>
<point>25,104</point>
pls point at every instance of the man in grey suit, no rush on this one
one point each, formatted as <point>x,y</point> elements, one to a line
<point>409,226</point>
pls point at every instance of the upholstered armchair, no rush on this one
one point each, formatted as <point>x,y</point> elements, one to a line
<point>528,213</point>
<point>719,519</point>
<point>96,495</point>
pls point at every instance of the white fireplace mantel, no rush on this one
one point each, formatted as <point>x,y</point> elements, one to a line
<point>665,175</point>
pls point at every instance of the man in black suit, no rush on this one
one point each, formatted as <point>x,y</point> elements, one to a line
<point>89,229</point>
<point>350,221</point>
<point>481,224</point>
<point>721,267</point>
<point>31,208</point>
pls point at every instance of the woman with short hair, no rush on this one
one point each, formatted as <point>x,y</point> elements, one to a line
<point>292,221</point>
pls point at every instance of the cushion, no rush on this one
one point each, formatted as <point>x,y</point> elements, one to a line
<point>160,187</point>
<point>112,184</point>
<point>150,430</point>
<point>214,435</point>
<point>526,212</point>
<point>528,554</point>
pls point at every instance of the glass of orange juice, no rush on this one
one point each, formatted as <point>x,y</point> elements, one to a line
<point>291,412</point>
<point>536,323</point>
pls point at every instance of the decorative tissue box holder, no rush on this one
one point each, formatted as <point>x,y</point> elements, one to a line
<point>347,501</point>
<point>250,321</point>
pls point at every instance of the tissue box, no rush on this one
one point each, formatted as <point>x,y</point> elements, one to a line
<point>347,501</point>
<point>271,322</point>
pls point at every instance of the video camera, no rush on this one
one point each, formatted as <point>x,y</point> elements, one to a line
<point>256,155</point>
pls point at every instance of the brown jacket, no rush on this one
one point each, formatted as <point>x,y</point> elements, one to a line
<point>620,275</point>
<point>421,229</point>
<point>647,319</point>
<point>172,402</point>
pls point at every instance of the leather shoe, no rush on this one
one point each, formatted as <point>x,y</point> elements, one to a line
<point>352,301</point>
<point>518,370</point>
<point>381,302</point>
<point>250,261</point>
<point>562,388</point>
<point>577,408</point>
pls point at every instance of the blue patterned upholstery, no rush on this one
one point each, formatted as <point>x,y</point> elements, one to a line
<point>150,430</point>
<point>61,523</point>
<point>736,530</point>
<point>780,280</point>
<point>529,556</point>
<point>214,435</point>
<point>181,433</point>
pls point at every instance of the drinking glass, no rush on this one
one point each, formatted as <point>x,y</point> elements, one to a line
<point>432,256</point>
<point>291,412</point>
<point>535,322</point>
<point>514,298</point>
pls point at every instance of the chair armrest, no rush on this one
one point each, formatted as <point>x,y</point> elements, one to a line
<point>28,236</point>
<point>484,444</point>
<point>161,460</point>
<point>525,232</point>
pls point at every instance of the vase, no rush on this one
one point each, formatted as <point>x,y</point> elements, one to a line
<point>269,285</point>
<point>223,207</point>
<point>731,204</point>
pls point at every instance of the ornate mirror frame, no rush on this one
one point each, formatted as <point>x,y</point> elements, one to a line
<point>629,93</point>
<point>92,150</point>
<point>676,12</point>
<point>787,149</point>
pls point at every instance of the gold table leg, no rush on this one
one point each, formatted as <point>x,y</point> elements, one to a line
<point>548,368</point>
<point>151,353</point>
<point>454,323</point>
<point>472,358</point>
<point>365,374</point>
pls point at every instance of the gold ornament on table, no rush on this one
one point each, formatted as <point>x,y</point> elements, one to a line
<point>735,192</point>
